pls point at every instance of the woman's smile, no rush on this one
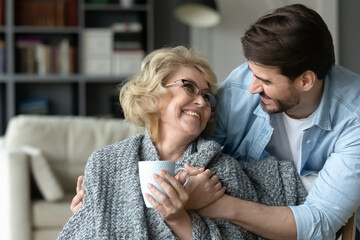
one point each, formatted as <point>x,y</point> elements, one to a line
<point>192,113</point>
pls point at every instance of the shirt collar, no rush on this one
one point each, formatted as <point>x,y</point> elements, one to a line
<point>322,117</point>
<point>260,112</point>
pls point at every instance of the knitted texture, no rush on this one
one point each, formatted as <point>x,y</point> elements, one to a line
<point>114,208</point>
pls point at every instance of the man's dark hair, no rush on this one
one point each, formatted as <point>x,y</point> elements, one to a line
<point>293,38</point>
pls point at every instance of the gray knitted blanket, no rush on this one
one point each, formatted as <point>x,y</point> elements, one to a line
<point>114,208</point>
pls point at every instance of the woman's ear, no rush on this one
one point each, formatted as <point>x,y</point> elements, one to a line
<point>307,80</point>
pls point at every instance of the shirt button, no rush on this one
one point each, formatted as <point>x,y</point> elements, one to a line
<point>308,141</point>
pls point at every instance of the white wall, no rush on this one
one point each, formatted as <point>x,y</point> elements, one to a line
<point>222,44</point>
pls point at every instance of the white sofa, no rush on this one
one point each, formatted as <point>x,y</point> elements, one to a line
<point>52,151</point>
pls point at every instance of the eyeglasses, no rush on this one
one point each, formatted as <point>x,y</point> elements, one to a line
<point>193,90</point>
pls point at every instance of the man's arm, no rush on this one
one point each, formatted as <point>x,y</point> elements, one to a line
<point>267,221</point>
<point>332,200</point>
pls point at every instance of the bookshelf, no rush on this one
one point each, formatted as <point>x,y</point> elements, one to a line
<point>67,57</point>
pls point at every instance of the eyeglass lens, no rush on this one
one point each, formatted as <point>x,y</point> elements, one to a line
<point>193,90</point>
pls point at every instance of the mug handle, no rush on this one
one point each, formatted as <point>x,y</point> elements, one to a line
<point>185,170</point>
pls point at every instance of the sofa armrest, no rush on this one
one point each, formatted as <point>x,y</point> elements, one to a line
<point>15,181</point>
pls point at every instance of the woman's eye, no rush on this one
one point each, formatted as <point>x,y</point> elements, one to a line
<point>189,87</point>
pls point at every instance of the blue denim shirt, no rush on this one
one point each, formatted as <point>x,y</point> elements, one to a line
<point>330,147</point>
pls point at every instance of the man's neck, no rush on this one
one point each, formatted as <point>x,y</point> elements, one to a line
<point>309,102</point>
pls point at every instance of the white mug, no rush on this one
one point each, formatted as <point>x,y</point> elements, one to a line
<point>148,168</point>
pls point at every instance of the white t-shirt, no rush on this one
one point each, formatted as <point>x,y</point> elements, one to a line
<point>286,141</point>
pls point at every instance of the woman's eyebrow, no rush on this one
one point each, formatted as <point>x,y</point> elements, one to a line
<point>191,80</point>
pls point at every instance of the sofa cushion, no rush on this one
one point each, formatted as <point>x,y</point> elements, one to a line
<point>51,214</point>
<point>67,142</point>
<point>67,138</point>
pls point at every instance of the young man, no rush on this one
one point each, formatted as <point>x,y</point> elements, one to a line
<point>290,101</point>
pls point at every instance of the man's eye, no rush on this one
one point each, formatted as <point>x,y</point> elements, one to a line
<point>265,81</point>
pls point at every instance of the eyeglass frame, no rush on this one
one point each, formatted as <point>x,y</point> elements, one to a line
<point>212,99</point>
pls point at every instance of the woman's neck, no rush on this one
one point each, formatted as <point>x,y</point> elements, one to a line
<point>171,147</point>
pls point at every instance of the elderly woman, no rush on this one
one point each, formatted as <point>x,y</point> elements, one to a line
<point>173,96</point>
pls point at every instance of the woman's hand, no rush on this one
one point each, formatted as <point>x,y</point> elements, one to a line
<point>76,202</point>
<point>203,188</point>
<point>171,207</point>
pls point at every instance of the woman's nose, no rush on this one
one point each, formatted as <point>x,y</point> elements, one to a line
<point>199,100</point>
<point>255,86</point>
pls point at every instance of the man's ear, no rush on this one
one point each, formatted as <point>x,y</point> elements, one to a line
<point>307,80</point>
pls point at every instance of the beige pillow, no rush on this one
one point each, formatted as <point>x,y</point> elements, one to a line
<point>43,175</point>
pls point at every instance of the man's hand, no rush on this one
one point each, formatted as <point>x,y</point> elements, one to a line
<point>203,188</point>
<point>76,202</point>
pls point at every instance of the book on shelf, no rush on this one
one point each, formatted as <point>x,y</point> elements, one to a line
<point>71,13</point>
<point>33,56</point>
<point>60,13</point>
<point>2,12</point>
<point>46,13</point>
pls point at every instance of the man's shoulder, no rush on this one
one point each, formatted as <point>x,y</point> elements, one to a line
<point>343,78</point>
<point>237,85</point>
<point>344,88</point>
<point>240,77</point>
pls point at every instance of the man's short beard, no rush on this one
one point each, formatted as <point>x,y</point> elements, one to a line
<point>281,106</point>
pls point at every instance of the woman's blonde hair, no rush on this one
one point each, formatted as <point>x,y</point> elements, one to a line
<point>144,95</point>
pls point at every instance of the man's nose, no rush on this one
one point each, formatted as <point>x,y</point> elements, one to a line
<point>256,86</point>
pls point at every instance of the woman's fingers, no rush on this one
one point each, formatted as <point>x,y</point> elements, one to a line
<point>153,202</point>
<point>172,187</point>
<point>169,205</point>
<point>194,170</point>
<point>181,177</point>
<point>176,194</point>
<point>157,193</point>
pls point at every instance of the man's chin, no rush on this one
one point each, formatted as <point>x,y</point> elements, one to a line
<point>269,109</point>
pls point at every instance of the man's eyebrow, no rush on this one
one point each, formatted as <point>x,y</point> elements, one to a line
<point>261,79</point>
